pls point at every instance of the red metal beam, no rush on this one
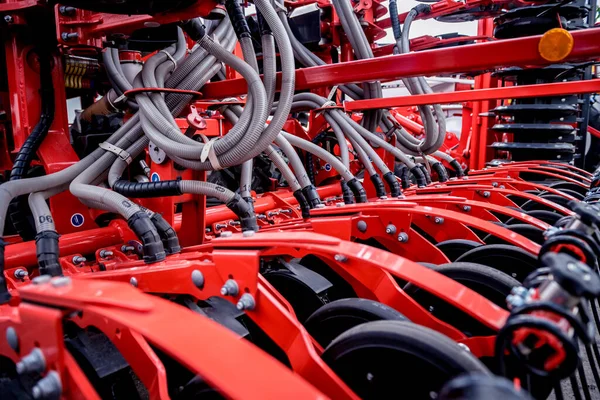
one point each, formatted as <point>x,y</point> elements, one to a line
<point>474,57</point>
<point>509,92</point>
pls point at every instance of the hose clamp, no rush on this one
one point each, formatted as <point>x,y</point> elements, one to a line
<point>119,152</point>
<point>170,57</point>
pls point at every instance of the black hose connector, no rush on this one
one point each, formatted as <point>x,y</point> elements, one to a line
<point>147,189</point>
<point>346,193</point>
<point>402,172</point>
<point>393,184</point>
<point>167,234</point>
<point>194,29</point>
<point>144,229</point>
<point>250,202</point>
<point>378,183</point>
<point>457,168</point>
<point>303,203</point>
<point>421,9</point>
<point>237,18</point>
<point>419,177</point>
<point>360,195</point>
<point>393,8</point>
<point>244,213</point>
<point>46,250</point>
<point>441,171</point>
<point>4,294</point>
<point>263,26</point>
<point>425,173</point>
<point>311,194</point>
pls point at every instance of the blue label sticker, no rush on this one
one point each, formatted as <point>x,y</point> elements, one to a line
<point>327,167</point>
<point>77,220</point>
<point>154,177</point>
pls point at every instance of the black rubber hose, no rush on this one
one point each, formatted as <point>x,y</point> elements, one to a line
<point>144,229</point>
<point>393,184</point>
<point>394,19</point>
<point>419,177</point>
<point>244,213</point>
<point>303,203</point>
<point>4,294</point>
<point>237,18</point>
<point>18,206</point>
<point>457,168</point>
<point>194,29</point>
<point>379,187</point>
<point>441,171</point>
<point>358,190</point>
<point>167,234</point>
<point>311,195</point>
<point>346,193</point>
<point>263,26</point>
<point>46,249</point>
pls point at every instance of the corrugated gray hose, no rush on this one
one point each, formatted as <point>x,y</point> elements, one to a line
<point>362,50</point>
<point>192,150</point>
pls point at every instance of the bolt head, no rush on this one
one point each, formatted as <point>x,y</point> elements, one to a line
<point>8,19</point>
<point>133,281</point>
<point>198,278</point>
<point>12,338</point>
<point>40,280</point>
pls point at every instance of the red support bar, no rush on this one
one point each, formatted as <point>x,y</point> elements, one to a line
<point>508,92</point>
<point>87,242</point>
<point>474,57</point>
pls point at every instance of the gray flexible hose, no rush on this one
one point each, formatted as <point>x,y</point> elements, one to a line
<point>359,43</point>
<point>322,154</point>
<point>12,189</point>
<point>288,77</point>
<point>40,210</point>
<point>294,160</point>
<point>283,168</point>
<point>248,165</point>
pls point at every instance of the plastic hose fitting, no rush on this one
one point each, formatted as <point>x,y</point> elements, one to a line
<point>425,172</point>
<point>347,193</point>
<point>144,229</point>
<point>379,187</point>
<point>419,176</point>
<point>359,191</point>
<point>457,168</point>
<point>46,249</point>
<point>393,184</point>
<point>167,234</point>
<point>244,213</point>
<point>303,203</point>
<point>311,195</point>
<point>194,29</point>
<point>441,171</point>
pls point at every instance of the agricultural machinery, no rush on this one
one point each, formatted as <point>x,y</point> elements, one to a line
<point>224,199</point>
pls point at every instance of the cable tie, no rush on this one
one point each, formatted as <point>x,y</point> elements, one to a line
<point>170,57</point>
<point>120,98</point>
<point>119,152</point>
<point>208,152</point>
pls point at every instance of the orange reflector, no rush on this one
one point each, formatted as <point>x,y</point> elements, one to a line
<point>555,45</point>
